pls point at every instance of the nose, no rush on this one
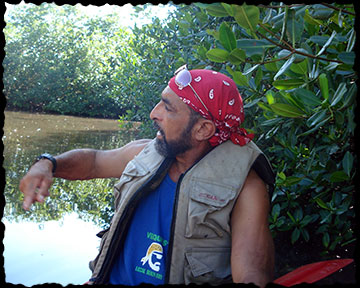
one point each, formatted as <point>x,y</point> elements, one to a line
<point>155,112</point>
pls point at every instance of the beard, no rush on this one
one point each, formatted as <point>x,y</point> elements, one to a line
<point>176,147</point>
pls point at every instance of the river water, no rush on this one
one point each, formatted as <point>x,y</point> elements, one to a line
<point>54,242</point>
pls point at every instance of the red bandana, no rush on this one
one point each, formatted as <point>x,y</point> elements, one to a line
<point>221,96</point>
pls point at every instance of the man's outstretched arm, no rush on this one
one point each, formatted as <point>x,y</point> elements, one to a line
<point>79,164</point>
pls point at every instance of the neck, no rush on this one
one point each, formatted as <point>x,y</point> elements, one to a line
<point>184,161</point>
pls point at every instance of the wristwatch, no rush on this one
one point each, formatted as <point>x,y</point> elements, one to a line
<point>49,157</point>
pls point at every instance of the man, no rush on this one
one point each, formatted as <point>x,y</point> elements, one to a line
<point>192,204</point>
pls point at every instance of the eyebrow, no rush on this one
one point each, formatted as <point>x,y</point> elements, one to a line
<point>167,102</point>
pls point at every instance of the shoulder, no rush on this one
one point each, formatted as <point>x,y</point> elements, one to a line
<point>133,148</point>
<point>111,163</point>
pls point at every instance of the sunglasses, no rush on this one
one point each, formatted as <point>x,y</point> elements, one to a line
<point>183,79</point>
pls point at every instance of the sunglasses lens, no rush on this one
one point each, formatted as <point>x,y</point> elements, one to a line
<point>183,78</point>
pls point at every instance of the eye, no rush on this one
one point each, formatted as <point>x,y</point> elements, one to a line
<point>167,108</point>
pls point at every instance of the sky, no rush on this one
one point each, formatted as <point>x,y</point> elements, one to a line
<point>160,11</point>
<point>124,11</point>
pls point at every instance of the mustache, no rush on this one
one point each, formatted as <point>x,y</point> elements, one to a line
<point>157,128</point>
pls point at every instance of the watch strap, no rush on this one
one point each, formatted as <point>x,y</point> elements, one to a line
<point>49,157</point>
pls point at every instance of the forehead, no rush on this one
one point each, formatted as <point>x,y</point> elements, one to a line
<point>171,98</point>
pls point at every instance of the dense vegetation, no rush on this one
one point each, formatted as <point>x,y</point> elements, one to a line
<point>293,65</point>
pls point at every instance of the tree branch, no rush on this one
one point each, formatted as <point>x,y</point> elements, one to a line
<point>338,9</point>
<point>292,49</point>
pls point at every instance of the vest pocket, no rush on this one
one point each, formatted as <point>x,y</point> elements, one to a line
<point>209,209</point>
<point>207,265</point>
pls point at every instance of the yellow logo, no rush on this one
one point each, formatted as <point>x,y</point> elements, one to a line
<point>155,249</point>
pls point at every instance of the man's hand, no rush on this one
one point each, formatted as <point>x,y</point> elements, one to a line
<point>36,183</point>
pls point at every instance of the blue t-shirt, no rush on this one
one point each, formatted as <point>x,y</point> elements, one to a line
<point>143,258</point>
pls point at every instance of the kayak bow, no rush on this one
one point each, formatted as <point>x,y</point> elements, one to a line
<point>313,272</point>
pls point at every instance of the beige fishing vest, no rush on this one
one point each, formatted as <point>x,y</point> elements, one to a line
<point>200,243</point>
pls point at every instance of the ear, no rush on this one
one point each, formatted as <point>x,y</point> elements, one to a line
<point>204,129</point>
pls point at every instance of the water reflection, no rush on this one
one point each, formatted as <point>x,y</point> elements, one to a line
<point>55,251</point>
<point>28,135</point>
<point>54,241</point>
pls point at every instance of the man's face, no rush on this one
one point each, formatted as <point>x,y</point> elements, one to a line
<point>172,119</point>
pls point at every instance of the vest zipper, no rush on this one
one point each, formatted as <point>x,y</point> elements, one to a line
<point>112,252</point>
<point>171,240</point>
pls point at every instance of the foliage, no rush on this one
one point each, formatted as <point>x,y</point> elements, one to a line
<point>59,62</point>
<point>294,65</point>
<point>162,47</point>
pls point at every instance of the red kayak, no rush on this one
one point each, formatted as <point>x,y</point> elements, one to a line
<point>313,272</point>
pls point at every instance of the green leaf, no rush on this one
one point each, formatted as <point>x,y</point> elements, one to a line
<point>282,175</point>
<point>300,68</point>
<point>350,97</point>
<point>213,33</point>
<point>298,214</point>
<point>315,128</point>
<point>240,79</point>
<point>294,27</point>
<point>251,69</point>
<point>339,93</point>
<point>258,78</point>
<point>228,8</point>
<point>270,98</point>
<point>326,239</point>
<point>254,47</point>
<point>347,162</point>
<point>306,220</point>
<point>295,235</point>
<point>287,110</point>
<point>327,44</point>
<point>264,106</point>
<point>305,234</point>
<point>311,20</point>
<point>351,41</point>
<point>291,217</point>
<point>292,99</point>
<point>292,180</point>
<point>217,55</point>
<point>227,37</point>
<point>321,12</point>
<point>298,57</point>
<point>324,86</point>
<point>307,97</point>
<point>347,57</point>
<point>237,56</point>
<point>285,21</point>
<point>339,176</point>
<point>321,203</point>
<point>316,118</point>
<point>285,66</point>
<point>271,67</point>
<point>288,84</point>
<point>247,16</point>
<point>214,9</point>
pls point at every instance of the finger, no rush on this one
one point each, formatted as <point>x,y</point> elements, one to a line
<point>43,190</point>
<point>28,189</point>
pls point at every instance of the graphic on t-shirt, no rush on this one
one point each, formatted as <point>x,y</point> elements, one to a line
<point>155,249</point>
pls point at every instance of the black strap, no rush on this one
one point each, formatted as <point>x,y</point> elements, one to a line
<point>264,170</point>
